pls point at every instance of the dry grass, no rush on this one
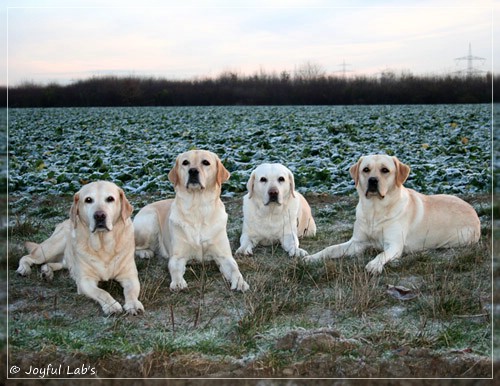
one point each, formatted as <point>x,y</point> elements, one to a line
<point>210,330</point>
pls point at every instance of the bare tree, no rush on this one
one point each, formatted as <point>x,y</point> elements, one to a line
<point>309,71</point>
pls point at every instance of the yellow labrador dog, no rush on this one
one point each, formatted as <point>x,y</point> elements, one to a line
<point>273,211</point>
<point>96,244</point>
<point>193,224</point>
<point>396,219</point>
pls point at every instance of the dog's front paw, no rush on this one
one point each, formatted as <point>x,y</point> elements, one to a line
<point>375,266</point>
<point>178,285</point>
<point>46,272</point>
<point>240,285</point>
<point>311,258</point>
<point>297,252</point>
<point>133,307</point>
<point>308,259</point>
<point>244,251</point>
<point>144,253</point>
<point>113,308</point>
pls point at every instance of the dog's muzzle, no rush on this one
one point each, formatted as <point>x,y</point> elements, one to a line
<point>100,221</point>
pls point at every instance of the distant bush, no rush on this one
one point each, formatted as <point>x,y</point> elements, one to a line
<point>260,89</point>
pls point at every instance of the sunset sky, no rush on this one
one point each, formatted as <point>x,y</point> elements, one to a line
<point>63,41</point>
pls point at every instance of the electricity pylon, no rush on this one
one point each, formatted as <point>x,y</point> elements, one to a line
<point>344,68</point>
<point>471,70</point>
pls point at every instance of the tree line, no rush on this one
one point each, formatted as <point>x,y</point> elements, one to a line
<point>261,89</point>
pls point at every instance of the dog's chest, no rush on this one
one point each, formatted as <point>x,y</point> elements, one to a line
<point>377,227</point>
<point>101,257</point>
<point>105,269</point>
<point>271,223</point>
<point>100,267</point>
<point>197,232</point>
<point>200,233</point>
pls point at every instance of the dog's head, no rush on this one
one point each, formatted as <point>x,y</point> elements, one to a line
<point>100,205</point>
<point>271,183</point>
<point>197,170</point>
<point>378,175</point>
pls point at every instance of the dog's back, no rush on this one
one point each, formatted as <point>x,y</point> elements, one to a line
<point>444,221</point>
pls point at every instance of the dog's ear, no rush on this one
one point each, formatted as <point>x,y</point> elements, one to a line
<point>354,171</point>
<point>73,212</point>
<point>173,175</point>
<point>126,208</point>
<point>250,183</point>
<point>402,171</point>
<point>292,183</point>
<point>222,173</point>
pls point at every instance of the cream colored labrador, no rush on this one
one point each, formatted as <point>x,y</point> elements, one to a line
<point>396,219</point>
<point>273,211</point>
<point>96,244</point>
<point>193,224</point>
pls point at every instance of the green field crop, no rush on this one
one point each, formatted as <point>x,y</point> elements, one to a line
<point>56,150</point>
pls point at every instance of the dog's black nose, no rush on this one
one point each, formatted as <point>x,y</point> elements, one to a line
<point>100,216</point>
<point>273,194</point>
<point>372,183</point>
<point>194,176</point>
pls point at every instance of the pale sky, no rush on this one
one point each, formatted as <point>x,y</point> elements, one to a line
<point>66,40</point>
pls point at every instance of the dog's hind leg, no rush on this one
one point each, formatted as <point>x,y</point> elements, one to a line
<point>49,251</point>
<point>47,270</point>
<point>146,233</point>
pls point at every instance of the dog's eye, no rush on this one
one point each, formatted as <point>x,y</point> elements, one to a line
<point>185,162</point>
<point>89,200</point>
<point>205,162</point>
<point>110,199</point>
<point>263,179</point>
<point>385,170</point>
<point>366,170</point>
<point>281,179</point>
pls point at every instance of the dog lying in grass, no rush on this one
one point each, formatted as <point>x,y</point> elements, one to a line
<point>96,244</point>
<point>396,219</point>
<point>273,211</point>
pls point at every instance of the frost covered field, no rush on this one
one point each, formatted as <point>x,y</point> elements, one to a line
<point>55,150</point>
<point>326,320</point>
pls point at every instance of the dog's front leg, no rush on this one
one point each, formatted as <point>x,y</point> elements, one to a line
<point>88,287</point>
<point>131,289</point>
<point>221,253</point>
<point>231,272</point>
<point>290,244</point>
<point>246,245</point>
<point>349,248</point>
<point>177,268</point>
